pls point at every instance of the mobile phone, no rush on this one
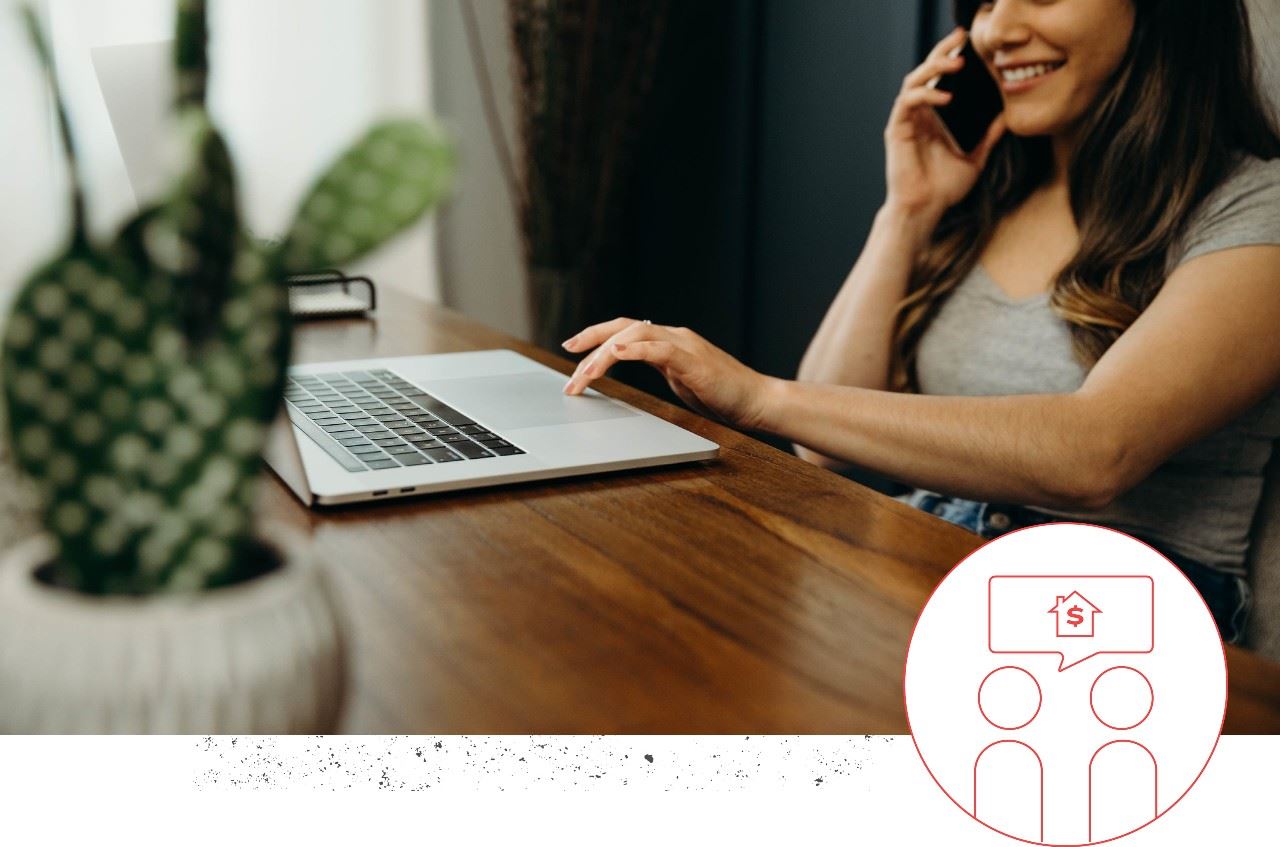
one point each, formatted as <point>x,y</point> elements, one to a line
<point>975,101</point>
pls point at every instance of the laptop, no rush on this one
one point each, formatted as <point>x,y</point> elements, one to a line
<point>369,429</point>
<point>357,430</point>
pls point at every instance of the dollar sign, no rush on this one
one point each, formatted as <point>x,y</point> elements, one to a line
<point>1075,616</point>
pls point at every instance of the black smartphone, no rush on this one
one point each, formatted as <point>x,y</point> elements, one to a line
<point>975,103</point>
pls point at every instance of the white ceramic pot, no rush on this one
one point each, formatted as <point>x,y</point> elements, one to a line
<point>264,656</point>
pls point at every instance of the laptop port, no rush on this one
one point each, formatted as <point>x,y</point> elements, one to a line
<point>379,493</point>
<point>406,490</point>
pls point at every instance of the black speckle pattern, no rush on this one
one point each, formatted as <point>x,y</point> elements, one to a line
<point>419,763</point>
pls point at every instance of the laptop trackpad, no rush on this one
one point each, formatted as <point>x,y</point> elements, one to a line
<point>516,401</point>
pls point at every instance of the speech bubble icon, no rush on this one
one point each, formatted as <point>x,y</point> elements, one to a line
<point>1074,616</point>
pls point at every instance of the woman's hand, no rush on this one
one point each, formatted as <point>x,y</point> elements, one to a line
<point>925,176</point>
<point>709,380</point>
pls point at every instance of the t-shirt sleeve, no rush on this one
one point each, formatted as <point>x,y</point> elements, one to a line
<point>1243,211</point>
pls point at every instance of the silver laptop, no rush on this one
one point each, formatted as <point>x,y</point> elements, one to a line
<point>374,428</point>
<point>377,428</point>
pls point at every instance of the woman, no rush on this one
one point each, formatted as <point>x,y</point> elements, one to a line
<point>1078,318</point>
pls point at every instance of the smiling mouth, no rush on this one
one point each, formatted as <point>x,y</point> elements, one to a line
<point>1025,73</point>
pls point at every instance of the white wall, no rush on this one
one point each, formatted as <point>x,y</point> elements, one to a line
<point>293,82</point>
<point>30,221</point>
<point>480,255</point>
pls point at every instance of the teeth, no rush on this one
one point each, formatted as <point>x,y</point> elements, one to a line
<point>1027,72</point>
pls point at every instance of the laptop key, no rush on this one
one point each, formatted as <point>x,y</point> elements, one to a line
<point>352,440</point>
<point>472,429</point>
<point>454,438</point>
<point>508,450</point>
<point>485,436</point>
<point>325,443</point>
<point>442,454</point>
<point>400,449</point>
<point>445,413</point>
<point>366,450</point>
<point>381,464</point>
<point>414,458</point>
<point>471,450</point>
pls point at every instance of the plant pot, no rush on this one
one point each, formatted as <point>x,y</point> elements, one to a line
<point>263,656</point>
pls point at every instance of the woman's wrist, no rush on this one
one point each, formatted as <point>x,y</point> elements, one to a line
<point>912,226</point>
<point>774,394</point>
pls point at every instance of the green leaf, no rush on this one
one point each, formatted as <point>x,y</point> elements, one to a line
<point>376,189</point>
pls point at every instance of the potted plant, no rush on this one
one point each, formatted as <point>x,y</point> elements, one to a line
<point>140,377</point>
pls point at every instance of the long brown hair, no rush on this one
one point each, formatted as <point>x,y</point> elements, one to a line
<point>1168,128</point>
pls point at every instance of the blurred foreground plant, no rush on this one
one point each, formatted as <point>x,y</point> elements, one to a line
<point>141,375</point>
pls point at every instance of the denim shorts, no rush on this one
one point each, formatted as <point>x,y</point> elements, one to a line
<point>1227,595</point>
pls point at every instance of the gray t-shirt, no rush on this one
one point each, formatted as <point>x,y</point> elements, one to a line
<point>1201,502</point>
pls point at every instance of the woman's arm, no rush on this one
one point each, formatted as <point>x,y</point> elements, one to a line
<point>1203,353</point>
<point>852,345</point>
<point>923,178</point>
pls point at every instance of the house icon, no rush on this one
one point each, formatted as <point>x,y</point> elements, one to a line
<point>1075,615</point>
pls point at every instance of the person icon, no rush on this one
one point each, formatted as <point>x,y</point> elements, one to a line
<point>1123,781</point>
<point>1008,775</point>
<point>1041,732</point>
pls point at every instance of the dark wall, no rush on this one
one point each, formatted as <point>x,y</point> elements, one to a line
<point>760,167</point>
<point>829,73</point>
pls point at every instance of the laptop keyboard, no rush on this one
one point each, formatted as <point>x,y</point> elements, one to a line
<point>376,420</point>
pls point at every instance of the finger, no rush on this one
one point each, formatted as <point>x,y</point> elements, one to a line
<point>939,59</point>
<point>930,69</point>
<point>663,354</point>
<point>917,97</point>
<point>596,362</point>
<point>994,133</point>
<point>949,42</point>
<point>593,335</point>
<point>910,118</point>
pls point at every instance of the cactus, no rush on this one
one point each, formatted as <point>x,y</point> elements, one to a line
<point>141,375</point>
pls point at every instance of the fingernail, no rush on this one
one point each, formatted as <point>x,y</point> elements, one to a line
<point>567,343</point>
<point>567,386</point>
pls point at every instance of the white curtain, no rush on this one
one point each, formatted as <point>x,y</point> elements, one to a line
<point>293,82</point>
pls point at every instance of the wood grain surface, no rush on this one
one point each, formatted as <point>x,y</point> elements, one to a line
<point>752,594</point>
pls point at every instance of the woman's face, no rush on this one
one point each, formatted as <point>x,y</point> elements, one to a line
<point>1051,57</point>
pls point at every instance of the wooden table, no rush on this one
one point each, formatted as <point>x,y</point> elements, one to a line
<point>752,594</point>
